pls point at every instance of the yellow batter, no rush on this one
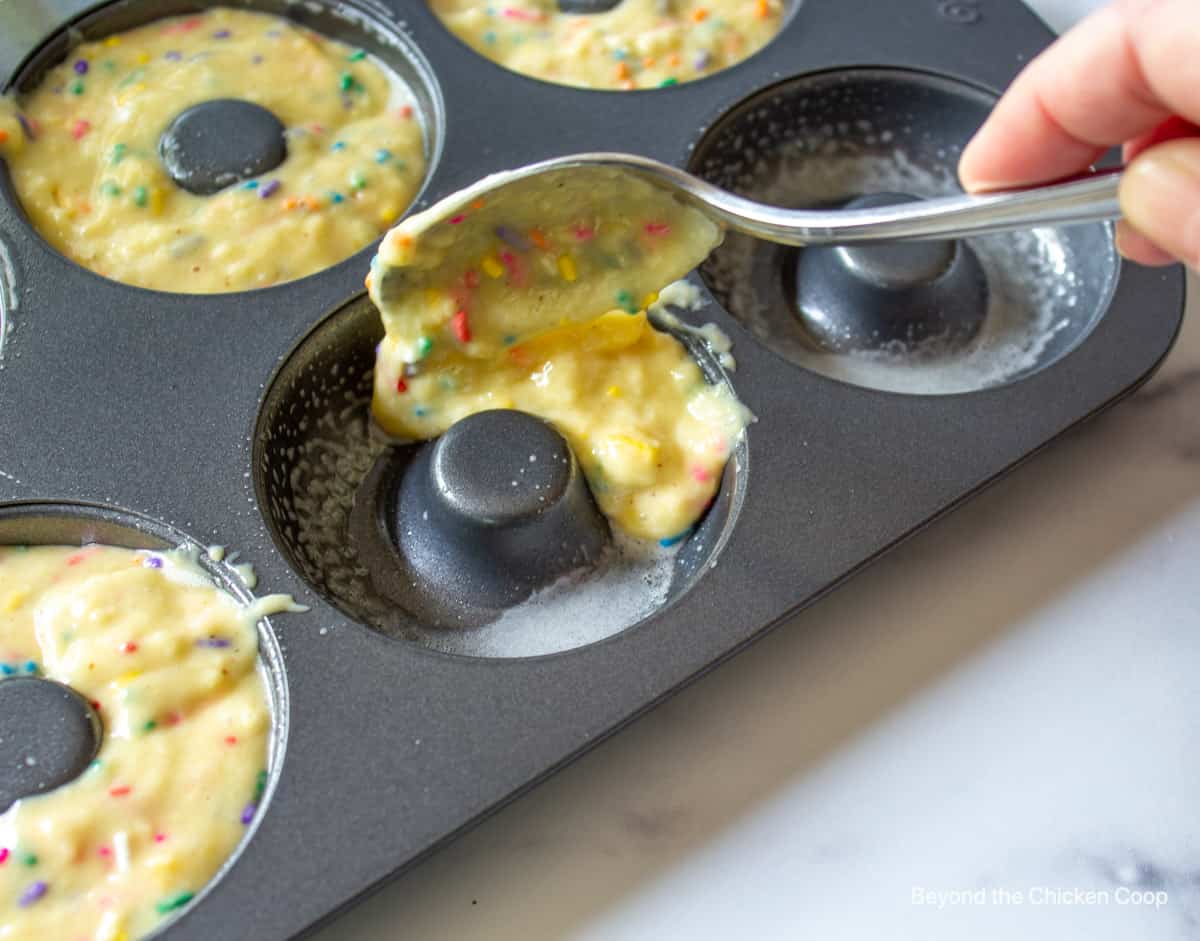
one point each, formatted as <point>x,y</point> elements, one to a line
<point>638,44</point>
<point>170,661</point>
<point>508,302</point>
<point>83,153</point>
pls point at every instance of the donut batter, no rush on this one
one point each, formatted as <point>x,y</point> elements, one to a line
<point>83,152</point>
<point>533,298</point>
<point>638,44</point>
<point>170,661</point>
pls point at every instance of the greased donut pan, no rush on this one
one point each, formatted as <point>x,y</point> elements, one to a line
<point>143,418</point>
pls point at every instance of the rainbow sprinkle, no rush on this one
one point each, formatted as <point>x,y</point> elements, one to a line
<point>33,894</point>
<point>514,238</point>
<point>213,642</point>
<point>461,327</point>
<point>173,902</point>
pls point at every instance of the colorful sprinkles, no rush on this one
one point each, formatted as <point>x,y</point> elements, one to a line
<point>366,125</point>
<point>173,902</point>
<point>461,327</point>
<point>135,836</point>
<point>643,45</point>
<point>514,292</point>
<point>214,642</point>
<point>35,893</point>
<point>16,668</point>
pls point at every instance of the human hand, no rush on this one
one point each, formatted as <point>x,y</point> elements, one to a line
<point>1130,75</point>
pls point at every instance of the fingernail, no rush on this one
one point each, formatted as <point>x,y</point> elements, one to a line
<point>975,185</point>
<point>1160,197</point>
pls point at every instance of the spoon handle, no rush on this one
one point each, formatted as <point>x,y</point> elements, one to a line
<point>1091,198</point>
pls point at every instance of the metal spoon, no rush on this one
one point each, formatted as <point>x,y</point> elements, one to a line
<point>1091,197</point>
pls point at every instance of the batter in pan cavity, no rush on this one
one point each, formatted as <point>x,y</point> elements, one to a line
<point>535,300</point>
<point>83,150</point>
<point>168,661</point>
<point>637,44</point>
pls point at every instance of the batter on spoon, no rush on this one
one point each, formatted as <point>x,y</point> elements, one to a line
<point>534,298</point>
<point>83,153</point>
<point>168,661</point>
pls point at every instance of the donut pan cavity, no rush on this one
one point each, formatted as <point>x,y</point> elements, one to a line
<point>69,523</point>
<point>175,414</point>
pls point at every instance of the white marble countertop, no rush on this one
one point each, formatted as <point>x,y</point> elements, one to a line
<point>1000,712</point>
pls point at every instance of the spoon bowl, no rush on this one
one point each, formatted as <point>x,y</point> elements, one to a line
<point>1091,197</point>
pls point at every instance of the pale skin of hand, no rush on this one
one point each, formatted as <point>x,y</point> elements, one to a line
<point>1114,79</point>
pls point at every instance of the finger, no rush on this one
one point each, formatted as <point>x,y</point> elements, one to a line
<point>1119,74</point>
<point>1160,198</point>
<point>1136,247</point>
<point>1130,242</point>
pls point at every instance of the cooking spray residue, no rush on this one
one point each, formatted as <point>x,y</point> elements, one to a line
<point>327,467</point>
<point>318,456</point>
<point>9,297</point>
<point>1035,289</point>
<point>334,450</point>
<point>628,585</point>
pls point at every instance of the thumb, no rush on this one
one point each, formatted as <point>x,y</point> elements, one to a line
<point>1160,198</point>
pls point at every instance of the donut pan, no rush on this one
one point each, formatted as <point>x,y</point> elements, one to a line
<point>142,418</point>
